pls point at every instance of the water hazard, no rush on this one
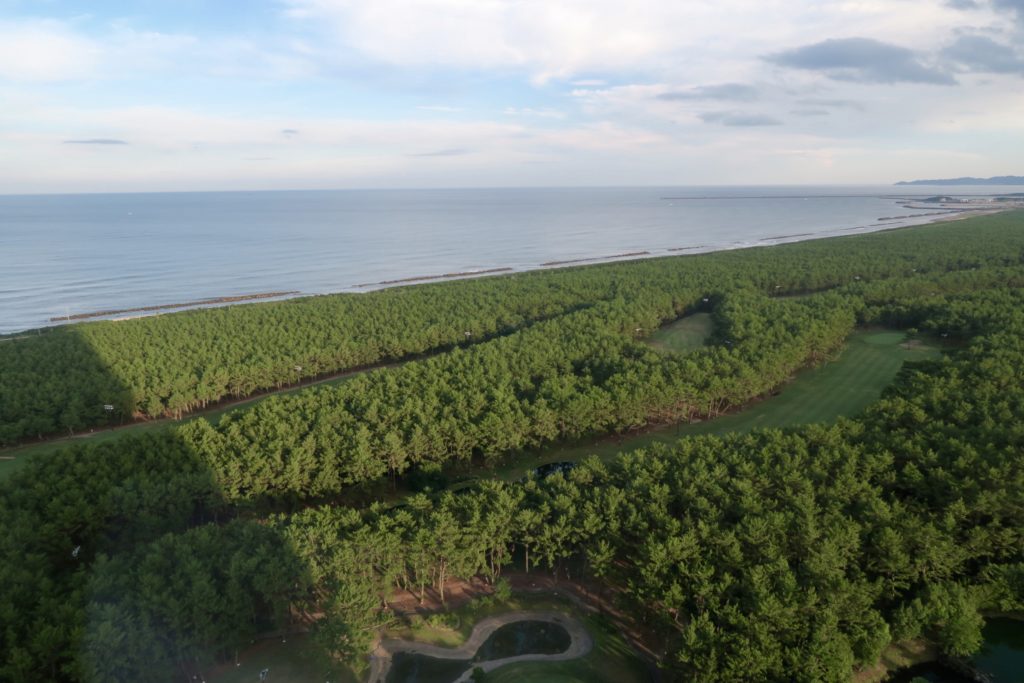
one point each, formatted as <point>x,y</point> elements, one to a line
<point>1001,658</point>
<point>527,637</point>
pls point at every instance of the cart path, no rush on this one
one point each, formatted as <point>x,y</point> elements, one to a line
<point>580,644</point>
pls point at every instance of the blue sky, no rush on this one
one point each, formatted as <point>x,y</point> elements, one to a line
<point>195,94</point>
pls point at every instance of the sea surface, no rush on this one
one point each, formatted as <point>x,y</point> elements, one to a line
<point>63,255</point>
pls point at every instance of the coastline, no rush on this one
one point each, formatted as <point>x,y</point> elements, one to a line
<point>188,304</point>
<point>443,276</point>
<point>884,224</point>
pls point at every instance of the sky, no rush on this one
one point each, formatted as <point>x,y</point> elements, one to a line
<point>315,94</point>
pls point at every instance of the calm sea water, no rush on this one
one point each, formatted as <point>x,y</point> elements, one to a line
<point>67,254</point>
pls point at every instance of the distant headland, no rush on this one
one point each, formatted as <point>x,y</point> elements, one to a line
<point>996,180</point>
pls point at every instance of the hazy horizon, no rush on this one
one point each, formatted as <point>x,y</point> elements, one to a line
<point>898,190</point>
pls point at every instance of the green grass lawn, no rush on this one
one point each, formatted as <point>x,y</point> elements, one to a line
<point>841,388</point>
<point>684,335</point>
<point>458,623</point>
<point>294,661</point>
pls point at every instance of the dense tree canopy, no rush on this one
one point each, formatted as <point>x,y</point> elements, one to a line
<point>779,555</point>
<point>60,379</point>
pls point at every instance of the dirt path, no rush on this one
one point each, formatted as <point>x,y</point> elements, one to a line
<point>224,405</point>
<point>214,408</point>
<point>580,644</point>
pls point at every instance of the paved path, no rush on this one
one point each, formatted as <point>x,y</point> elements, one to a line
<point>581,643</point>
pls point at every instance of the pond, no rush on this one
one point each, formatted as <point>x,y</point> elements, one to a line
<point>410,668</point>
<point>1003,653</point>
<point>1001,658</point>
<point>524,638</point>
<point>527,637</point>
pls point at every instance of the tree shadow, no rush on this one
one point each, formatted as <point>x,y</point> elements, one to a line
<point>54,382</point>
<point>123,561</point>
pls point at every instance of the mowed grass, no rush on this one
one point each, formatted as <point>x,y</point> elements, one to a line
<point>684,335</point>
<point>841,388</point>
<point>294,661</point>
<point>844,387</point>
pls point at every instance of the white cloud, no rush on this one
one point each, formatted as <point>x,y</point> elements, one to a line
<point>560,39</point>
<point>547,39</point>
<point>996,109</point>
<point>533,112</point>
<point>44,51</point>
<point>50,50</point>
<point>654,91</point>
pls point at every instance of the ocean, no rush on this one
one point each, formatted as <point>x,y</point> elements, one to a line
<point>67,255</point>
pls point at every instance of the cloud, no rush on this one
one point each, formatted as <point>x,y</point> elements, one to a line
<point>96,141</point>
<point>862,60</point>
<point>538,113</point>
<point>590,43</point>
<point>978,53</point>
<point>44,51</point>
<point>450,152</point>
<point>963,4</point>
<point>739,119</point>
<point>836,104</point>
<point>1012,6</point>
<point>660,86</point>
<point>738,92</point>
<point>548,39</point>
<point>51,50</point>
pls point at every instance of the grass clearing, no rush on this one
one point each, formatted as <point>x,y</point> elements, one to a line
<point>897,656</point>
<point>684,335</point>
<point>452,627</point>
<point>294,661</point>
<point>840,388</point>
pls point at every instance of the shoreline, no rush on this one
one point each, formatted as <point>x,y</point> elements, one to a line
<point>443,276</point>
<point>654,252</point>
<point>592,259</point>
<point>188,304</point>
